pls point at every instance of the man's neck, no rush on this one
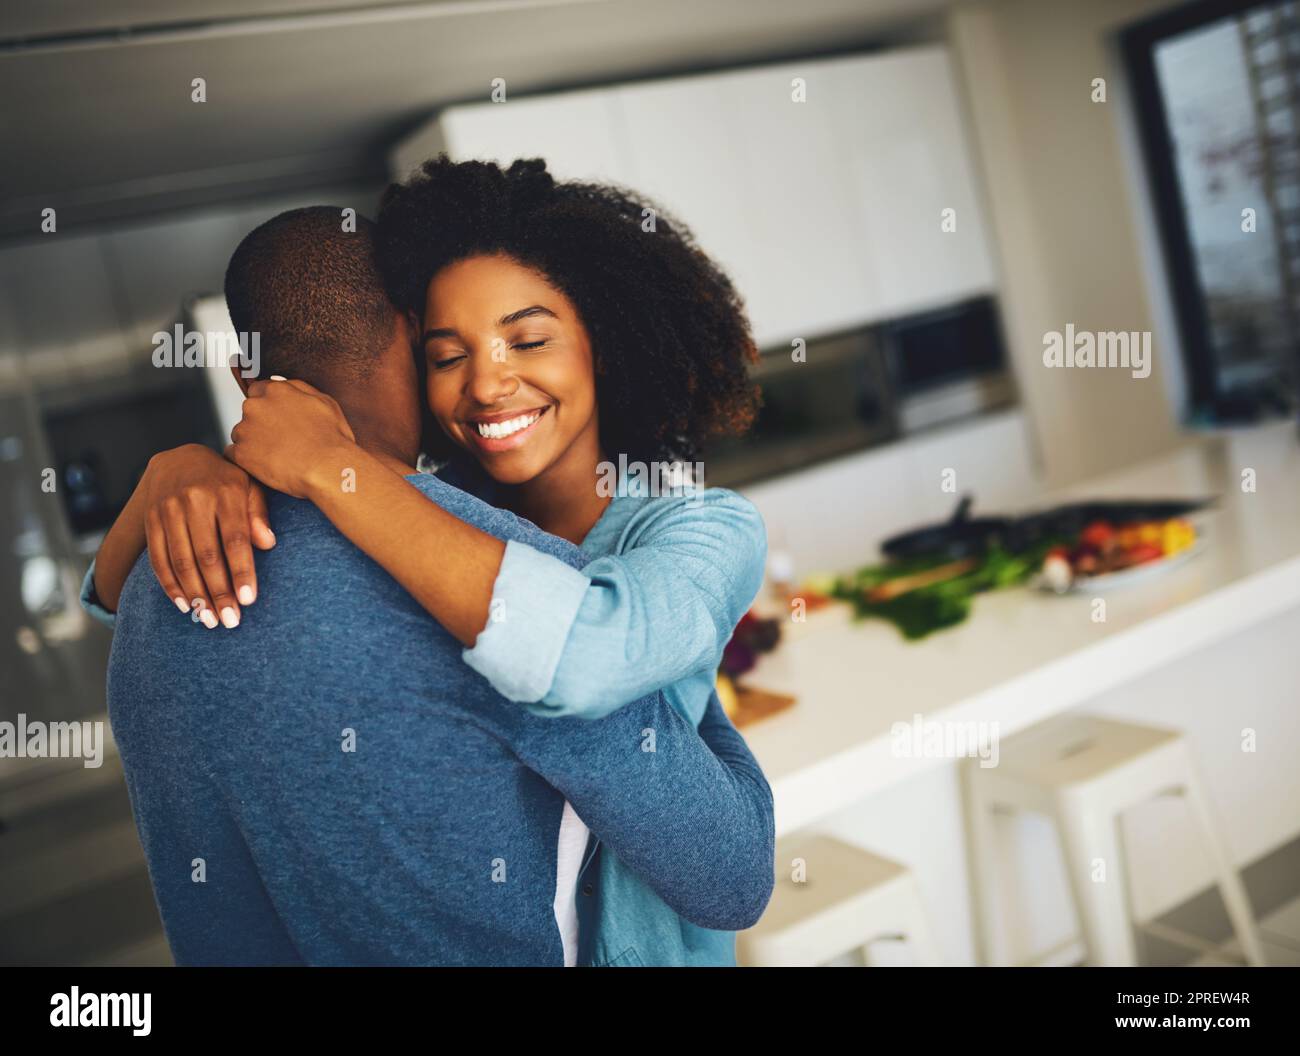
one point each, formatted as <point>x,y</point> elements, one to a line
<point>401,462</point>
<point>401,466</point>
<point>385,437</point>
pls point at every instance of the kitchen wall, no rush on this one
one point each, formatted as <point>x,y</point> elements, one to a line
<point>1065,204</point>
<point>76,309</point>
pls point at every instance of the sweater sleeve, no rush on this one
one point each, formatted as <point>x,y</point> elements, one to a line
<point>90,600</point>
<point>690,813</point>
<point>584,643</point>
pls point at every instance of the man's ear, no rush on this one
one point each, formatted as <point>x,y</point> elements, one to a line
<point>413,328</point>
<point>240,380</point>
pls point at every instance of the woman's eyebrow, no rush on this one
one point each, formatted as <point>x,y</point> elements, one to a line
<point>524,313</point>
<point>505,320</point>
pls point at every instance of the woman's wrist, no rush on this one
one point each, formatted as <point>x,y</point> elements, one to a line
<point>335,470</point>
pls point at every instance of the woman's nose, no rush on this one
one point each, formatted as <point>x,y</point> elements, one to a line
<point>491,380</point>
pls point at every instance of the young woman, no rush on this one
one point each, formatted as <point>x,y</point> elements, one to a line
<point>571,340</point>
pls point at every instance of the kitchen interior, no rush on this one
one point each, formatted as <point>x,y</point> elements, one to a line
<point>1094,569</point>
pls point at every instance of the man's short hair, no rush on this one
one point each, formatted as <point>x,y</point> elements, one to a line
<point>313,293</point>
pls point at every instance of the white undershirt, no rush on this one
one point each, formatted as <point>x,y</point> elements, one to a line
<point>568,863</point>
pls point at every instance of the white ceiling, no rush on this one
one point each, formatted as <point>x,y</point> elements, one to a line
<point>97,119</point>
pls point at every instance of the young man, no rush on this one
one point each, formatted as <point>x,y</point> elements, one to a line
<point>330,783</point>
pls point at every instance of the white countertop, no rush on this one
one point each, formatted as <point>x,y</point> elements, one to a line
<point>1023,655</point>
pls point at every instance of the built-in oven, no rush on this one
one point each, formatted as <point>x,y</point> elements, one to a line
<point>826,399</point>
<point>948,363</point>
<point>856,390</point>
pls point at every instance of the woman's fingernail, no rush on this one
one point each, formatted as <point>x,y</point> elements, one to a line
<point>229,617</point>
<point>246,595</point>
<point>278,377</point>
<point>180,604</point>
<point>209,620</point>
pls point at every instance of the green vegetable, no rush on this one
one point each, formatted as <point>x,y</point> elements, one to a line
<point>925,610</point>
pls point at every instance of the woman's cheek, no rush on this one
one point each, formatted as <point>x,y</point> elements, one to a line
<point>455,431</point>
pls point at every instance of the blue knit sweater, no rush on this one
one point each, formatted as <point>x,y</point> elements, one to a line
<point>329,783</point>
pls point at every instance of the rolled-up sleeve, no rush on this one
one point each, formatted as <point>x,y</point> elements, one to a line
<point>535,601</point>
<point>585,644</point>
<point>90,600</point>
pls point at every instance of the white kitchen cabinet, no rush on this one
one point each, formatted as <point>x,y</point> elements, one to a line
<point>689,155</point>
<point>900,142</point>
<point>747,169</point>
<point>812,276</point>
<point>825,212</point>
<point>578,133</point>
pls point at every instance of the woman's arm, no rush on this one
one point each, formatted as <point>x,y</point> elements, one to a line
<point>448,566</point>
<point>295,439</point>
<point>560,640</point>
<point>565,642</point>
<point>198,515</point>
<point>117,555</point>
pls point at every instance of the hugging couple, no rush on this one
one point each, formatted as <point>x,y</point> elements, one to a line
<point>461,717</point>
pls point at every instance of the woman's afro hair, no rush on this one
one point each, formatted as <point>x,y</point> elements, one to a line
<point>669,334</point>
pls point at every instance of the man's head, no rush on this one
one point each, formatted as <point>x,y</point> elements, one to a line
<point>307,284</point>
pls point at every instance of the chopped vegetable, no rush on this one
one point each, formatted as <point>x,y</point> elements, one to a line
<point>1098,534</point>
<point>935,605</point>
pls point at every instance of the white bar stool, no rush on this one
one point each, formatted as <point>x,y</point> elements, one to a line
<point>1083,772</point>
<point>847,899</point>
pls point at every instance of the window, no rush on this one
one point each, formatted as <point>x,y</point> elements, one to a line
<point>1217,91</point>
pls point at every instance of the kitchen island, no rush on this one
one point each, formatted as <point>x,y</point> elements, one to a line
<point>1024,655</point>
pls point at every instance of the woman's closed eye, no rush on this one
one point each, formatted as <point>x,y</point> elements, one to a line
<point>441,362</point>
<point>441,359</point>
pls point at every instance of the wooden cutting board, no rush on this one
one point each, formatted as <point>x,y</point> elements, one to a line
<point>755,704</point>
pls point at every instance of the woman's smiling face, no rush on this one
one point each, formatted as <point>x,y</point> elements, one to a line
<point>511,377</point>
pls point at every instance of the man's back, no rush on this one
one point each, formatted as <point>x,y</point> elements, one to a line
<point>329,782</point>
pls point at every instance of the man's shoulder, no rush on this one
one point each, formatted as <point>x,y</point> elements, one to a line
<point>311,571</point>
<point>328,621</point>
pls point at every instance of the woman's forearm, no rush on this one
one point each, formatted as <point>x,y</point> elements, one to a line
<point>448,566</point>
<point>122,546</point>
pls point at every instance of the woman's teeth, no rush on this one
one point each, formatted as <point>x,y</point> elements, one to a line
<point>500,430</point>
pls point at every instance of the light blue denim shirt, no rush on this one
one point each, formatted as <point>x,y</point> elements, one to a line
<point>670,577</point>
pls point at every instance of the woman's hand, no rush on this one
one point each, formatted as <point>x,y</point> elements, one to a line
<point>200,516</point>
<point>288,430</point>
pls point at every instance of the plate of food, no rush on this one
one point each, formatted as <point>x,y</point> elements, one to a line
<point>1108,555</point>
